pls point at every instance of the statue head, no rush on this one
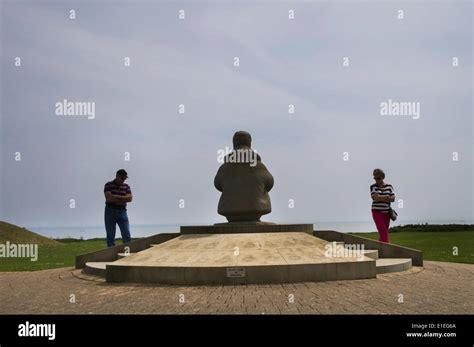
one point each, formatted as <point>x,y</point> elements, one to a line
<point>242,139</point>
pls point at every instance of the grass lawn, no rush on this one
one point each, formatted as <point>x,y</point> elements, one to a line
<point>52,256</point>
<point>435,245</point>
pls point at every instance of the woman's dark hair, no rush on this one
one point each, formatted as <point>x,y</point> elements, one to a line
<point>379,173</point>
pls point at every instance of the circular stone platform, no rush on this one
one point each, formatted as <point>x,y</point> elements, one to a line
<point>239,258</point>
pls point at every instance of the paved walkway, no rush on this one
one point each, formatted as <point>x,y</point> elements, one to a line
<point>435,289</point>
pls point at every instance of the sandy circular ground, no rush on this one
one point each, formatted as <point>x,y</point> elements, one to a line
<point>437,288</point>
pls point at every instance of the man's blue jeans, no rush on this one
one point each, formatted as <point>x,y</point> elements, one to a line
<point>112,217</point>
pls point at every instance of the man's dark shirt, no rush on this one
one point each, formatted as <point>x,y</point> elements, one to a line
<point>117,189</point>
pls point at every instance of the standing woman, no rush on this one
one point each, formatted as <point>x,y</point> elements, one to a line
<point>382,195</point>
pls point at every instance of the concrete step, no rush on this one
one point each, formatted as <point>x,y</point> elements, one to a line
<point>123,255</point>
<point>96,268</point>
<point>386,265</point>
<point>371,253</point>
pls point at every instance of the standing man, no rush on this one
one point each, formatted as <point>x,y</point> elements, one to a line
<point>117,194</point>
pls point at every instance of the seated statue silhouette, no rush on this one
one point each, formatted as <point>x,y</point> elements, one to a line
<point>244,182</point>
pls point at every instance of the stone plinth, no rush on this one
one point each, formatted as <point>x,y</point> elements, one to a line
<point>243,228</point>
<point>233,258</point>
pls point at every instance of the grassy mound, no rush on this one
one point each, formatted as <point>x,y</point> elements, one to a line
<point>16,234</point>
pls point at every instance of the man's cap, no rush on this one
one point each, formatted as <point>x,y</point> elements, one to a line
<point>122,173</point>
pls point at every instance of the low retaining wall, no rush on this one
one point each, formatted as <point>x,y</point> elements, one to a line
<point>110,254</point>
<point>386,250</point>
<point>241,228</point>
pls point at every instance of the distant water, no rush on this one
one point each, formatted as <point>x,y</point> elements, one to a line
<point>89,232</point>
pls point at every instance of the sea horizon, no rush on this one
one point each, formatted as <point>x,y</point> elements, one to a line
<point>143,230</point>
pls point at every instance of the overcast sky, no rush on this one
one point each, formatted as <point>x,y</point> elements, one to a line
<point>282,61</point>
